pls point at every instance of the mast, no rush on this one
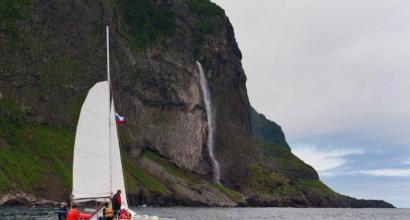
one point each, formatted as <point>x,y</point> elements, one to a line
<point>115,162</point>
<point>109,99</point>
<point>93,176</point>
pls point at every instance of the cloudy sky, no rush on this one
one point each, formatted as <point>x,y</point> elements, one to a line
<point>336,76</point>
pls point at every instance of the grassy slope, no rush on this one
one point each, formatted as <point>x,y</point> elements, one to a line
<point>282,179</point>
<point>28,150</point>
<point>137,178</point>
<point>188,176</point>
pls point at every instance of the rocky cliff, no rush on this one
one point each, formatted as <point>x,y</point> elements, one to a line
<point>267,130</point>
<point>52,52</point>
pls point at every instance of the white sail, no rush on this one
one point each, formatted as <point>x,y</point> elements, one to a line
<point>97,166</point>
<point>91,167</point>
<point>116,164</point>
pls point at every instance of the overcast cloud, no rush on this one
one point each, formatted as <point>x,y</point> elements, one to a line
<point>337,74</point>
<point>325,161</point>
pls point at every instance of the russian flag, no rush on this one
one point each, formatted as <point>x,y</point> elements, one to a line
<point>119,119</point>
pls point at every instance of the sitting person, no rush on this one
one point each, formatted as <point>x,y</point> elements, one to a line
<point>62,211</point>
<point>108,213</point>
<point>124,214</point>
<point>74,214</point>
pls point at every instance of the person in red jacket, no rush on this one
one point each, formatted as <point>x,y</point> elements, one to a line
<point>116,202</point>
<point>73,213</point>
<point>124,214</point>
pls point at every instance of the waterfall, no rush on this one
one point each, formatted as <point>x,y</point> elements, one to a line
<point>211,122</point>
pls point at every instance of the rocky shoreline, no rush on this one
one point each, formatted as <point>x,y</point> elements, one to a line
<point>24,199</point>
<point>27,200</point>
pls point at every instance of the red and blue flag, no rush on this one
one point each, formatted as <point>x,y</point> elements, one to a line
<point>119,119</point>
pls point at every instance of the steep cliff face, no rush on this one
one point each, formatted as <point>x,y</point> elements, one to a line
<point>52,52</point>
<point>267,130</point>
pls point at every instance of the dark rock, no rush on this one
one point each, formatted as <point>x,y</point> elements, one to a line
<point>267,130</point>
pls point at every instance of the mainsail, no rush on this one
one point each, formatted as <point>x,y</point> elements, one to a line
<point>91,167</point>
<point>97,168</point>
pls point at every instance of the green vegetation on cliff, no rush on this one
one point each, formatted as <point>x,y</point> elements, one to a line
<point>209,16</point>
<point>267,130</point>
<point>29,152</point>
<point>136,177</point>
<point>11,12</point>
<point>207,12</point>
<point>195,182</point>
<point>148,22</point>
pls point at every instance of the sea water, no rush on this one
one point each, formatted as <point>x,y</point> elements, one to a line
<point>232,213</point>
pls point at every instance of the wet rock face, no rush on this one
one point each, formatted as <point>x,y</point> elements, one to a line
<point>160,93</point>
<point>166,116</point>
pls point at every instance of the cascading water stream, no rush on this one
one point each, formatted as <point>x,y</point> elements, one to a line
<point>211,122</point>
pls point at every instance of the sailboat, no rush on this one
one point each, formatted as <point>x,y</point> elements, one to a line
<point>97,166</point>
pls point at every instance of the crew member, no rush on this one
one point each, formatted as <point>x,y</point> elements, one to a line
<point>62,211</point>
<point>124,214</point>
<point>73,213</point>
<point>116,202</point>
<point>108,213</point>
